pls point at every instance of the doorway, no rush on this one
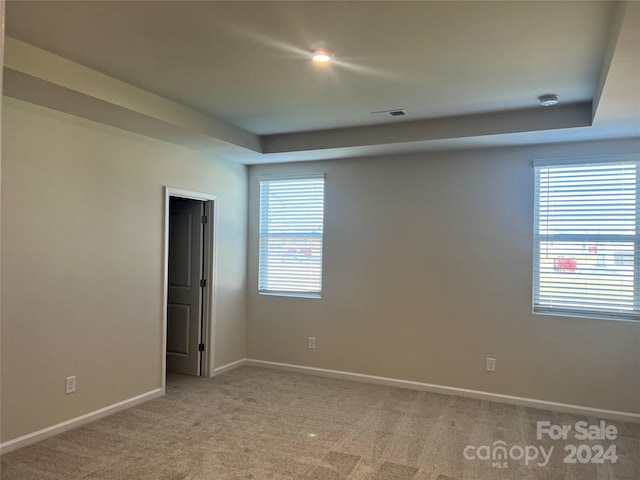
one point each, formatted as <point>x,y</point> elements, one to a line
<point>189,267</point>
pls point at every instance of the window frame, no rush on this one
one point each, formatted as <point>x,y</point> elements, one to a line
<point>537,308</point>
<point>263,288</point>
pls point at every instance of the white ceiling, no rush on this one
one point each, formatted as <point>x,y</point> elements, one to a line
<point>452,65</point>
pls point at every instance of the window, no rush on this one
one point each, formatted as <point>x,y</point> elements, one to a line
<point>291,229</point>
<point>586,239</point>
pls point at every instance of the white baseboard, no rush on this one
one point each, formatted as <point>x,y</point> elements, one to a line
<point>34,437</point>
<point>229,366</point>
<point>461,392</point>
<point>76,422</point>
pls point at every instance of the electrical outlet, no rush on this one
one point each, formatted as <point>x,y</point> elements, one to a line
<point>312,343</point>
<point>70,385</point>
<point>491,364</point>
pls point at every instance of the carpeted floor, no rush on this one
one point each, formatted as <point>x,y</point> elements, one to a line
<point>254,423</point>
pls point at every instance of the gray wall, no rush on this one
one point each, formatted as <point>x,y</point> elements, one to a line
<point>428,270</point>
<point>82,228</point>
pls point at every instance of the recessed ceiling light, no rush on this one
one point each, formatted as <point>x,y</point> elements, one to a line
<point>322,55</point>
<point>548,100</point>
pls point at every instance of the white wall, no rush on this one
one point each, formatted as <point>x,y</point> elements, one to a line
<point>82,213</point>
<point>428,270</point>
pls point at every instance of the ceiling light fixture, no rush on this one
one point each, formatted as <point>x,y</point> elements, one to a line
<point>548,100</point>
<point>322,55</point>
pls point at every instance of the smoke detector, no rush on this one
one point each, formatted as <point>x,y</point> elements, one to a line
<point>397,112</point>
<point>548,100</point>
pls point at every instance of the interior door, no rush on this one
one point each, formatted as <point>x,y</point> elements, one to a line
<point>184,306</point>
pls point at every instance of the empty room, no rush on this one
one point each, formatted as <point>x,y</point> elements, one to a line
<point>323,240</point>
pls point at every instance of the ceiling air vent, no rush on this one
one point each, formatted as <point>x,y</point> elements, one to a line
<point>397,112</point>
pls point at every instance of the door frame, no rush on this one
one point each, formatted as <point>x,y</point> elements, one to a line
<point>209,292</point>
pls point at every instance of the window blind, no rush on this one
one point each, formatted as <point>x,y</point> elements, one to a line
<point>291,233</point>
<point>586,241</point>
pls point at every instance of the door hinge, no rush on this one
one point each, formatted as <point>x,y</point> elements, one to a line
<point>204,219</point>
<point>201,347</point>
<point>203,282</point>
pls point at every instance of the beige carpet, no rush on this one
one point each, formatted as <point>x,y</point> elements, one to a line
<point>255,423</point>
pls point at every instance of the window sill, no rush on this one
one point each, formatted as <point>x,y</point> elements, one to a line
<point>291,294</point>
<point>587,315</point>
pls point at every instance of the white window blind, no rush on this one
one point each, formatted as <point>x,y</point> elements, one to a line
<point>586,240</point>
<point>291,230</point>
